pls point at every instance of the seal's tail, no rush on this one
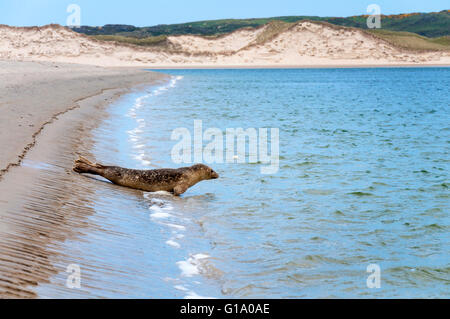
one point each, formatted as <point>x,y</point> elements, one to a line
<point>82,165</point>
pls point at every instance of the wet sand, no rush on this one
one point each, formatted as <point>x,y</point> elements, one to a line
<point>48,112</point>
<point>32,94</point>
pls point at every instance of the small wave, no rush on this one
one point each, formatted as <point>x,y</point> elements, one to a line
<point>160,208</point>
<point>305,163</point>
<point>156,201</point>
<point>179,287</point>
<point>164,193</point>
<point>178,227</point>
<point>434,226</point>
<point>160,215</point>
<point>193,265</point>
<point>193,295</point>
<point>136,133</point>
<point>424,273</point>
<point>172,84</point>
<point>319,191</point>
<point>173,243</point>
<point>159,204</point>
<point>187,268</point>
<point>158,212</point>
<point>143,158</point>
<point>360,194</point>
<point>422,171</point>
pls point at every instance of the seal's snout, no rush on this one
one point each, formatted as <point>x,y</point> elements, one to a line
<point>214,175</point>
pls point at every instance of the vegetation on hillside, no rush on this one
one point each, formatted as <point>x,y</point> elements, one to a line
<point>437,25</point>
<point>434,24</point>
<point>412,41</point>
<point>147,42</point>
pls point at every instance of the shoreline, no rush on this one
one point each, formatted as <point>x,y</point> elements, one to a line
<point>42,204</point>
<point>34,94</point>
<point>339,64</point>
<point>350,66</point>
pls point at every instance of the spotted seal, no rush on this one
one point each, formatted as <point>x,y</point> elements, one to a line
<point>176,181</point>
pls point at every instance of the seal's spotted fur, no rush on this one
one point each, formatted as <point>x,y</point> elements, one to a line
<point>176,181</point>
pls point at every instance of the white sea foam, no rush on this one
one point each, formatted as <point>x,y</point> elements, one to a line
<point>192,265</point>
<point>180,287</point>
<point>173,243</point>
<point>135,134</point>
<point>141,157</point>
<point>160,215</point>
<point>146,163</point>
<point>159,206</point>
<point>179,227</point>
<point>136,131</point>
<point>200,256</point>
<point>155,208</point>
<point>194,295</point>
<point>154,201</point>
<point>158,212</point>
<point>188,269</point>
<point>164,193</point>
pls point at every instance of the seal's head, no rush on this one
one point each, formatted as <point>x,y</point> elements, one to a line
<point>204,172</point>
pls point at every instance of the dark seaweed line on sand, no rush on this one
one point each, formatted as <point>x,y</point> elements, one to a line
<point>54,117</point>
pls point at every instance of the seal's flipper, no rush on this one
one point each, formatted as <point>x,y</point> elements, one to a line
<point>83,165</point>
<point>180,189</point>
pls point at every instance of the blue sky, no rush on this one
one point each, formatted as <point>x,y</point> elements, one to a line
<point>152,12</point>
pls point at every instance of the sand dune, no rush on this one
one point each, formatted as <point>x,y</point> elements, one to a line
<point>301,44</point>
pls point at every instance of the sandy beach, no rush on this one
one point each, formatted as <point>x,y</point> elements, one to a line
<point>33,94</point>
<point>48,111</point>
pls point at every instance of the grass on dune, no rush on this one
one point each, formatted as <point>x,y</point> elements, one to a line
<point>272,29</point>
<point>431,25</point>
<point>442,41</point>
<point>404,40</point>
<point>412,41</point>
<point>146,42</point>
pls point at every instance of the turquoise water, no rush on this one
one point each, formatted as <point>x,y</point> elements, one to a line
<point>363,179</point>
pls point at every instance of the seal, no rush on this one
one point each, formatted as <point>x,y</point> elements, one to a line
<point>172,180</point>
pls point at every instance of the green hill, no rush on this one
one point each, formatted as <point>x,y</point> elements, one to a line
<point>431,25</point>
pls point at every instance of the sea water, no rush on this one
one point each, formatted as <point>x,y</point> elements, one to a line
<point>362,180</point>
